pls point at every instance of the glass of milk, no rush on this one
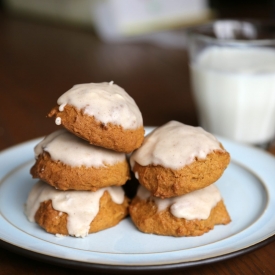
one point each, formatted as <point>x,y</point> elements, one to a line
<point>232,66</point>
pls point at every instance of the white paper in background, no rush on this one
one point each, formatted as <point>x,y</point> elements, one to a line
<point>117,20</point>
<point>133,13</point>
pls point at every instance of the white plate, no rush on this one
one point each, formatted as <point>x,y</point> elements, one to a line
<point>247,187</point>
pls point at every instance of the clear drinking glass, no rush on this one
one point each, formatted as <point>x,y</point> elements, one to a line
<point>232,65</point>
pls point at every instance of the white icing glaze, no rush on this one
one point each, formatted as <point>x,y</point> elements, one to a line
<point>194,205</point>
<point>175,145</point>
<point>58,121</point>
<point>107,102</point>
<point>59,235</point>
<point>61,107</point>
<point>71,150</point>
<point>81,206</point>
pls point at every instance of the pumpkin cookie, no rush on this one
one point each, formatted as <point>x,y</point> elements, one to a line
<point>70,163</point>
<point>176,159</point>
<point>103,114</point>
<point>192,214</point>
<point>75,213</point>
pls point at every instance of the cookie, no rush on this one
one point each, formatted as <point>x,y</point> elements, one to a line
<point>192,214</point>
<point>176,159</point>
<point>76,213</point>
<point>103,114</point>
<point>70,163</point>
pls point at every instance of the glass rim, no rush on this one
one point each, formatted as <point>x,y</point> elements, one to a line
<point>199,32</point>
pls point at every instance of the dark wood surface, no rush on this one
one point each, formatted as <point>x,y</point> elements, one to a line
<point>39,62</point>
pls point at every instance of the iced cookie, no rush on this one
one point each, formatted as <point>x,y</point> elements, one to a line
<point>103,114</point>
<point>176,159</point>
<point>75,213</point>
<point>192,214</point>
<point>70,163</point>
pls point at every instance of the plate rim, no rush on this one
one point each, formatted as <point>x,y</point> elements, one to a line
<point>124,269</point>
<point>76,264</point>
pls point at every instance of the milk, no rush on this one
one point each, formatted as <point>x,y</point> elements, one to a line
<point>234,89</point>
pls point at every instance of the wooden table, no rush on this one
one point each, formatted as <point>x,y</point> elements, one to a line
<point>39,62</point>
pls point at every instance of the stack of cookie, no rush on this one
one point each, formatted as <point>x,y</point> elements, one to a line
<point>177,166</point>
<point>82,167</point>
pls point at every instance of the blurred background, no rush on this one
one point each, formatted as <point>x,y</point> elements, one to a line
<point>113,19</point>
<point>47,46</point>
